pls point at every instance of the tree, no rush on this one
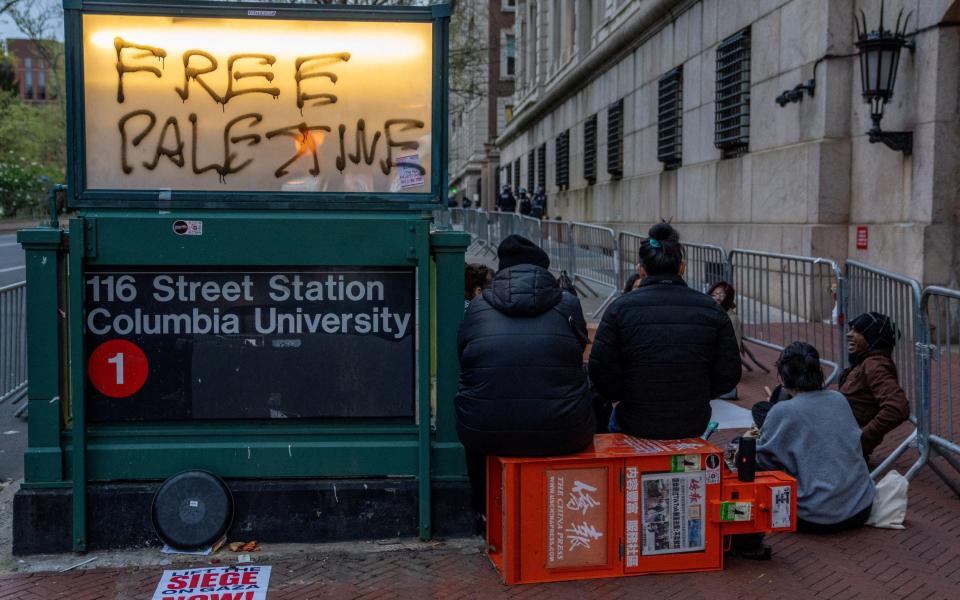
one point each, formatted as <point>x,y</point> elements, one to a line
<point>8,73</point>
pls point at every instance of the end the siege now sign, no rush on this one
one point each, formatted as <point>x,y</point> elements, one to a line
<point>256,105</point>
<point>220,583</point>
<point>171,344</point>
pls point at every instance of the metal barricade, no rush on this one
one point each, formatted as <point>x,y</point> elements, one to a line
<point>871,289</point>
<point>13,342</point>
<point>475,223</point>
<point>596,259</point>
<point>706,265</point>
<point>441,218</point>
<point>940,377</point>
<point>629,244</point>
<point>531,229</point>
<point>783,298</point>
<point>555,241</point>
<point>502,225</point>
<point>456,219</point>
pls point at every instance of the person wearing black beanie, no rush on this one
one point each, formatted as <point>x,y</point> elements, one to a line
<point>517,250</point>
<point>523,390</point>
<point>870,384</point>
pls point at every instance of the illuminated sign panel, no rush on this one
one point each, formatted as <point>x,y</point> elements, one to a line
<point>257,105</point>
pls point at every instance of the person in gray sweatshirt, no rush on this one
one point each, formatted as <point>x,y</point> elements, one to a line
<point>814,437</point>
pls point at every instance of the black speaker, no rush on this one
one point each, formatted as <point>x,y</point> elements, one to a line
<point>192,510</point>
<point>747,459</point>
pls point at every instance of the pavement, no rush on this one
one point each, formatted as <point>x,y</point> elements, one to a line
<point>921,561</point>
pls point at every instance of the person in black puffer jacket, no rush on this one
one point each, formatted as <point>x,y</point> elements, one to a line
<point>523,390</point>
<point>664,350</point>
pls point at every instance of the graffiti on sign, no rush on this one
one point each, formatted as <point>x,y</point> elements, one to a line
<point>252,105</point>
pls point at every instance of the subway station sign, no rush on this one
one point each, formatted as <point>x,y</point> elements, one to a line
<point>259,105</point>
<point>169,344</point>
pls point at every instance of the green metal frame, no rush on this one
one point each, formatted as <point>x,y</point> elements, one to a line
<point>81,197</point>
<point>118,229</point>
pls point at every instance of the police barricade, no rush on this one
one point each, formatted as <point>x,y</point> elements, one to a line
<point>596,260</point>
<point>629,244</point>
<point>13,342</point>
<point>783,298</point>
<point>871,289</point>
<point>476,224</point>
<point>530,228</point>
<point>555,241</point>
<point>940,378</point>
<point>441,218</point>
<point>706,265</point>
<point>456,219</point>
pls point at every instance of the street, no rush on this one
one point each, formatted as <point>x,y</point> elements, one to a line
<point>13,431</point>
<point>11,260</point>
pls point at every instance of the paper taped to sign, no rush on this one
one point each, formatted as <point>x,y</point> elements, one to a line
<point>673,512</point>
<point>736,511</point>
<point>220,583</point>
<point>780,503</point>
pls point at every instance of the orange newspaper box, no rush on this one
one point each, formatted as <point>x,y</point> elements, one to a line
<point>625,506</point>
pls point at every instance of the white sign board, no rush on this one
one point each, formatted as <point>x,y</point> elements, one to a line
<point>257,105</point>
<point>220,583</point>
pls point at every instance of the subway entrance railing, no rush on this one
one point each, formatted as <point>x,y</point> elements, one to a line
<point>782,298</point>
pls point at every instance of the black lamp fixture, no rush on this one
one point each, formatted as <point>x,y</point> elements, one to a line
<point>879,56</point>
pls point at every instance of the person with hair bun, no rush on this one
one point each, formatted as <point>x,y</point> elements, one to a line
<point>663,351</point>
<point>814,437</point>
<point>476,278</point>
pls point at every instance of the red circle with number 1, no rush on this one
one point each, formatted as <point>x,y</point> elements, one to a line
<point>118,368</point>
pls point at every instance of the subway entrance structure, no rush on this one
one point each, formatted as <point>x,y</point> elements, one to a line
<point>250,284</point>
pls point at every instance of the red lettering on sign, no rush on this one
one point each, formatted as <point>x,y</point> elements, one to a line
<point>118,369</point>
<point>250,578</point>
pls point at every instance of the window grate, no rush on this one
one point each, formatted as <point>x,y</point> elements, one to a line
<point>732,124</point>
<point>670,119</point>
<point>531,166</point>
<point>542,166</point>
<point>562,160</point>
<point>590,149</point>
<point>615,139</point>
<point>516,176</point>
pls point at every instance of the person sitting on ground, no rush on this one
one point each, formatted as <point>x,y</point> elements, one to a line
<point>663,351</point>
<point>523,390</point>
<point>476,278</point>
<point>724,294</point>
<point>870,383</point>
<point>814,437</point>
<point>633,282</point>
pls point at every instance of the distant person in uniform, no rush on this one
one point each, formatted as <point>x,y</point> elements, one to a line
<point>663,351</point>
<point>539,209</point>
<point>476,278</point>
<point>870,383</point>
<point>505,201</point>
<point>523,390</point>
<point>525,205</point>
<point>467,203</point>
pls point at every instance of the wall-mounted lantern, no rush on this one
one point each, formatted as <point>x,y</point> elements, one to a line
<point>879,52</point>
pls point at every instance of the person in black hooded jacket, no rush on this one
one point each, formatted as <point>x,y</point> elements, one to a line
<point>663,351</point>
<point>523,390</point>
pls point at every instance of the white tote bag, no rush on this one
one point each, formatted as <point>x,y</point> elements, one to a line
<point>890,504</point>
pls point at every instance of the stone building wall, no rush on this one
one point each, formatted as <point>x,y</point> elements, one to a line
<point>810,176</point>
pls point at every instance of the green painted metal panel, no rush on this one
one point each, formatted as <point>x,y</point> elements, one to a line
<point>43,459</point>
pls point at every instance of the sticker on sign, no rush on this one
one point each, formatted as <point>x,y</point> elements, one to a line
<point>780,501</point>
<point>188,227</point>
<point>221,583</point>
